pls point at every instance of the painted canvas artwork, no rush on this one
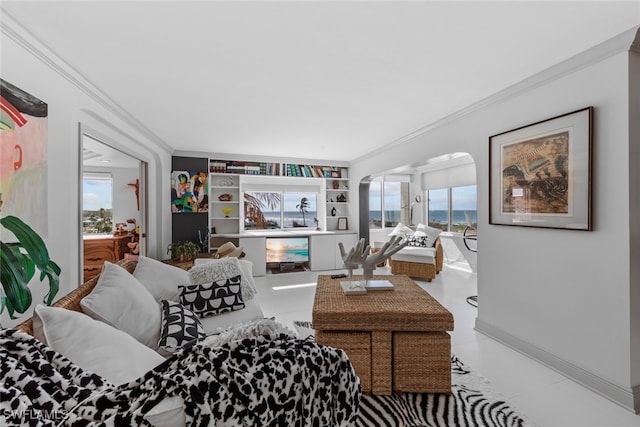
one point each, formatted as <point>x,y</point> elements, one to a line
<point>189,192</point>
<point>23,157</point>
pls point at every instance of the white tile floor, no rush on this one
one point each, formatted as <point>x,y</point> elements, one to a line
<point>546,397</point>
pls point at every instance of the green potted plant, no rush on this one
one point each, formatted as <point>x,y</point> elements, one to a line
<point>18,263</point>
<point>183,251</point>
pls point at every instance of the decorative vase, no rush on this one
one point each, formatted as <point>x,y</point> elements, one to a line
<point>333,211</point>
<point>336,185</point>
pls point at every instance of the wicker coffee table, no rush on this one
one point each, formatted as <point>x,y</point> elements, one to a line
<point>396,340</point>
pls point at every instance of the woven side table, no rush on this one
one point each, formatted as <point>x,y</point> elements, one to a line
<point>396,340</point>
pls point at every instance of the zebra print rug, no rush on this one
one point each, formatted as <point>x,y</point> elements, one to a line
<point>472,403</point>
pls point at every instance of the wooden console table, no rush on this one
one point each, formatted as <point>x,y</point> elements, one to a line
<point>396,340</point>
<point>99,249</point>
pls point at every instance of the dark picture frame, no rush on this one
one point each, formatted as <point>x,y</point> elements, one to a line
<point>540,174</point>
<point>343,223</point>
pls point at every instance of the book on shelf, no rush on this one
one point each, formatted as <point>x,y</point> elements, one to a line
<point>275,169</point>
<point>217,167</point>
<point>252,169</point>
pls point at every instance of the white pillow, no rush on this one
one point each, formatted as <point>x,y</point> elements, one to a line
<point>432,233</point>
<point>122,302</point>
<point>251,329</point>
<point>402,231</point>
<point>206,270</point>
<point>160,279</point>
<point>92,345</point>
<point>246,267</point>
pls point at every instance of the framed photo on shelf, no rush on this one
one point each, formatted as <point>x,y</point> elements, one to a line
<point>343,223</point>
<point>540,174</point>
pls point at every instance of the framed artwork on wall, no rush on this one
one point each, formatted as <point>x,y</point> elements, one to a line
<point>540,174</point>
<point>23,158</point>
<point>189,192</point>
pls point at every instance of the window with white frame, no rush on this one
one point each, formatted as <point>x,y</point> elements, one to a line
<point>453,208</point>
<point>389,201</point>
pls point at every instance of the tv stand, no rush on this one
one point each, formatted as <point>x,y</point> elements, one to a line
<point>323,247</point>
<point>287,266</point>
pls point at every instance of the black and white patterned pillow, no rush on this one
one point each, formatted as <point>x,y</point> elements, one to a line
<point>179,326</point>
<point>213,298</point>
<point>417,241</point>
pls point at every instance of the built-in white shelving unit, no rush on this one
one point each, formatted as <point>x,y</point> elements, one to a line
<point>226,178</point>
<point>224,199</point>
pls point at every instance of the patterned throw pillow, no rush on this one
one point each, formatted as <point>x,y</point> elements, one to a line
<point>179,326</point>
<point>417,241</point>
<point>213,298</point>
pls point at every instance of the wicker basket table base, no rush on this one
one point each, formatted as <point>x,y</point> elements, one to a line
<point>396,340</point>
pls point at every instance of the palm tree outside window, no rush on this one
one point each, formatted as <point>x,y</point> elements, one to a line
<point>279,210</point>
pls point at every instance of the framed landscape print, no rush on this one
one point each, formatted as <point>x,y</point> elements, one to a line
<point>540,174</point>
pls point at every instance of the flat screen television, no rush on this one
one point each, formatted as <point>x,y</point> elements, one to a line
<point>287,250</point>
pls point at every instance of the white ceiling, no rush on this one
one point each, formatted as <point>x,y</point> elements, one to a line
<point>322,80</point>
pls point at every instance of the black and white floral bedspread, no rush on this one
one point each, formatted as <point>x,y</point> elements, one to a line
<point>260,381</point>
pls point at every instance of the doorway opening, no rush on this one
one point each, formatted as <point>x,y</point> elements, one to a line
<point>113,211</point>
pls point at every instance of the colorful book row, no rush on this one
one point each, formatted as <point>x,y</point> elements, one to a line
<point>311,171</point>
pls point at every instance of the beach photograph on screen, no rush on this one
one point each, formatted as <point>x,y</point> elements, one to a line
<point>287,249</point>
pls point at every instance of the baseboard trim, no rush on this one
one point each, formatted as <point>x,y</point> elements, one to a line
<point>627,398</point>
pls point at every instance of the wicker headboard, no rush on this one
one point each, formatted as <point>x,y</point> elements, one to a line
<point>71,301</point>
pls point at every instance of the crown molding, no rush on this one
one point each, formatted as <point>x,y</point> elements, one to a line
<point>624,42</point>
<point>12,29</point>
<point>258,158</point>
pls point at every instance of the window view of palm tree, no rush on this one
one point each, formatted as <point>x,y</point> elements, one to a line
<point>278,210</point>
<point>297,207</point>
<point>262,210</point>
<point>303,208</point>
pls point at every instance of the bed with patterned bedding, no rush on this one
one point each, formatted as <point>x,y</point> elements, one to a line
<point>266,380</point>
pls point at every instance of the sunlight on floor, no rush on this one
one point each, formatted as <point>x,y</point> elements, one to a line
<point>302,285</point>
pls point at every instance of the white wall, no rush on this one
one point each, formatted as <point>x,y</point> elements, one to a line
<point>558,295</point>
<point>71,101</point>
<point>124,197</point>
<point>634,208</point>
